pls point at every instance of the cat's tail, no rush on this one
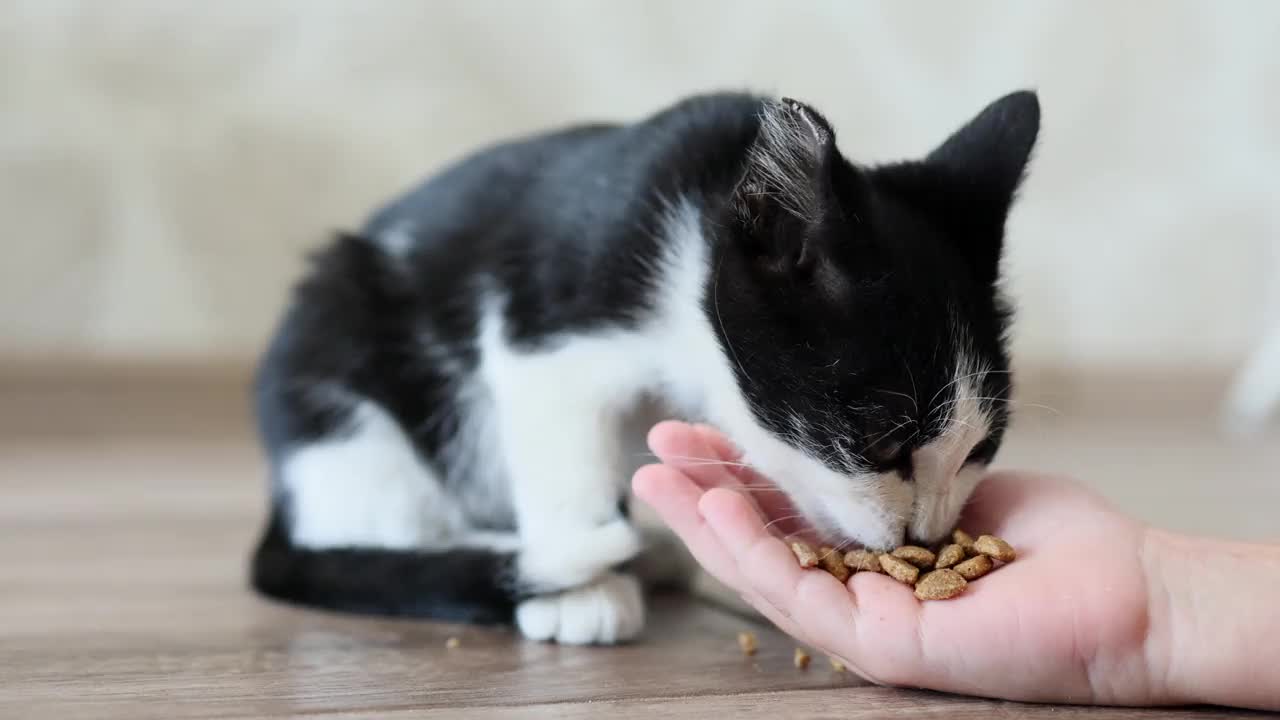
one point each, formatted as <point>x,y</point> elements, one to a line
<point>462,584</point>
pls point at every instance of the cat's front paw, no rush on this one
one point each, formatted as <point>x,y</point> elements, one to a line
<point>608,610</point>
<point>574,556</point>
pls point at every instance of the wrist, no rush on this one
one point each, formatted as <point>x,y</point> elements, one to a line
<point>1213,622</point>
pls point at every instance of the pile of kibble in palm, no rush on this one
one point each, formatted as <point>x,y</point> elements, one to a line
<point>939,575</point>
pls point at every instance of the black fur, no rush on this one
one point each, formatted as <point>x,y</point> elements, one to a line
<point>832,317</point>
<point>461,585</point>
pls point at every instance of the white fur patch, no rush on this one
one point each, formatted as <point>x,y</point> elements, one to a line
<point>474,457</point>
<point>576,553</point>
<point>366,488</point>
<point>607,611</point>
<point>559,412</point>
<point>943,481</point>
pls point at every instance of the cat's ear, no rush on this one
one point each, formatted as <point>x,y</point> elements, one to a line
<point>787,186</point>
<point>970,180</point>
<point>990,153</point>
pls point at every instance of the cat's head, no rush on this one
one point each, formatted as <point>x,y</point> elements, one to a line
<point>859,309</point>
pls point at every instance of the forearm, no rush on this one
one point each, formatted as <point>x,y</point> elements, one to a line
<point>1215,620</point>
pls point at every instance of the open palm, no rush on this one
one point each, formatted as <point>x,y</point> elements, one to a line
<point>1069,621</point>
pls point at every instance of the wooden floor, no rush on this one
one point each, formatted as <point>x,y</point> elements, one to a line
<point>126,520</point>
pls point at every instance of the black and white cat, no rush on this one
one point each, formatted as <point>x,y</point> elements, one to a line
<point>446,404</point>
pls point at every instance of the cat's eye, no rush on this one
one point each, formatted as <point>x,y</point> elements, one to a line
<point>983,452</point>
<point>890,457</point>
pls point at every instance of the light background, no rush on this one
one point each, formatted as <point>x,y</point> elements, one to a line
<point>164,164</point>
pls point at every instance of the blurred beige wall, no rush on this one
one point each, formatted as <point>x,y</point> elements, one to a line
<point>164,164</point>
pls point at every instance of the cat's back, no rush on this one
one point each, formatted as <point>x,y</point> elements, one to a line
<point>566,225</point>
<point>588,173</point>
<point>486,181</point>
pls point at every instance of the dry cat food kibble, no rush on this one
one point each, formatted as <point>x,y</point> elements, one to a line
<point>747,643</point>
<point>836,665</point>
<point>934,576</point>
<point>862,561</point>
<point>941,584</point>
<point>975,567</point>
<point>899,569</point>
<point>833,562</point>
<point>805,554</point>
<point>994,548</point>
<point>801,659</point>
<point>918,556</point>
<point>452,643</point>
<point>949,555</point>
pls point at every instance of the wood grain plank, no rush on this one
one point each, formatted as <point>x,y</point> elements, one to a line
<point>276,661</point>
<point>863,703</point>
<point>122,590</point>
<point>123,594</point>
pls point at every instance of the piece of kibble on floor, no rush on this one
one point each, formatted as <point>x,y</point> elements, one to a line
<point>747,643</point>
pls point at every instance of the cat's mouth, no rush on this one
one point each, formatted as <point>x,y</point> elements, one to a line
<point>818,529</point>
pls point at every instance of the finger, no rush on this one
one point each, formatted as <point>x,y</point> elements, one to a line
<point>724,449</point>
<point>780,621</point>
<point>772,502</point>
<point>721,445</point>
<point>868,622</point>
<point>675,498</point>
<point>681,446</point>
<point>765,562</point>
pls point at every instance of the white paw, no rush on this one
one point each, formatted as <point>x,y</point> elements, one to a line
<point>607,611</point>
<point>577,555</point>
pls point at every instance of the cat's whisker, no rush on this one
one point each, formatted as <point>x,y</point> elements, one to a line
<point>1038,406</point>
<point>891,431</point>
<point>912,436</point>
<point>915,394</point>
<point>688,459</point>
<point>842,545</point>
<point>710,463</point>
<point>715,301</point>
<point>784,518</point>
<point>1007,401</point>
<point>901,395</point>
<point>966,377</point>
<point>830,551</point>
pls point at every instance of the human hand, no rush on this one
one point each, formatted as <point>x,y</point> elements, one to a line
<point>1070,621</point>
